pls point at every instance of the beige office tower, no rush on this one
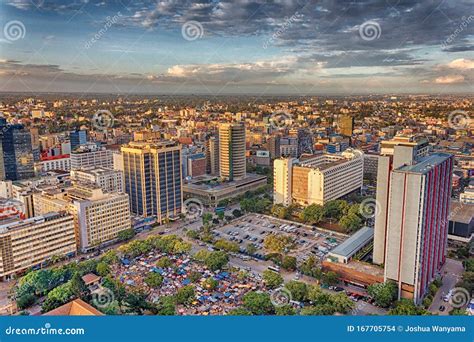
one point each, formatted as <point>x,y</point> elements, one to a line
<point>28,243</point>
<point>232,151</point>
<point>153,175</point>
<point>212,156</point>
<point>401,150</point>
<point>282,180</point>
<point>346,125</point>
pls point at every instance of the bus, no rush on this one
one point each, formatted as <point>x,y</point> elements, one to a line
<point>274,268</point>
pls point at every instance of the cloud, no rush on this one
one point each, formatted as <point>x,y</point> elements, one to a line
<point>449,79</point>
<point>461,64</point>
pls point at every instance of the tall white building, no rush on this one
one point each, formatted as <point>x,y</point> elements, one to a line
<point>232,160</point>
<point>318,179</point>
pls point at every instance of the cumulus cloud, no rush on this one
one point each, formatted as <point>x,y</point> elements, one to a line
<point>449,79</point>
<point>462,64</point>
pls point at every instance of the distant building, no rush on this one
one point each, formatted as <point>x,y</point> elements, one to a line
<point>212,156</point>
<point>289,147</point>
<point>273,145</point>
<point>153,178</point>
<point>16,152</point>
<point>346,125</point>
<point>282,180</point>
<point>417,223</point>
<point>196,165</point>
<point>461,222</point>
<point>77,138</point>
<point>29,243</point>
<point>60,162</point>
<point>232,161</point>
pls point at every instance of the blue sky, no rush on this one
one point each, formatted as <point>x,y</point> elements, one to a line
<point>242,46</point>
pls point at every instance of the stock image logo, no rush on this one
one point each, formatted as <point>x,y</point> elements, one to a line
<point>459,119</point>
<point>370,30</point>
<point>369,208</point>
<point>280,119</point>
<point>281,297</point>
<point>192,30</point>
<point>103,297</point>
<point>460,297</point>
<point>103,119</point>
<point>14,30</point>
<point>193,208</point>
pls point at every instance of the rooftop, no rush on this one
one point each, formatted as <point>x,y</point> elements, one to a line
<point>461,212</point>
<point>77,307</point>
<point>424,164</point>
<point>353,244</point>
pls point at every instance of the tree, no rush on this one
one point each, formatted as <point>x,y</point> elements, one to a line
<point>181,247</point>
<point>126,234</point>
<point>25,301</point>
<point>278,243</point>
<point>192,234</point>
<point>335,209</point>
<point>206,218</point>
<point>350,222</point>
<point>317,296</point>
<point>279,211</point>
<point>202,255</point>
<point>210,284</point>
<point>406,307</point>
<point>258,303</point>
<point>342,303</point>
<point>58,296</point>
<point>166,306</point>
<point>236,213</point>
<point>312,214</point>
<point>383,293</point>
<point>285,310</point>
<point>164,262</point>
<point>330,278</point>
<point>185,295</point>
<point>110,257</point>
<point>239,312</point>
<point>251,249</point>
<point>136,302</point>
<point>320,310</point>
<point>216,260</point>
<point>272,279</point>
<point>298,290</point>
<point>78,287</point>
<point>468,265</point>
<point>310,268</point>
<point>289,263</point>
<point>227,246</point>
<point>153,279</point>
<point>102,269</point>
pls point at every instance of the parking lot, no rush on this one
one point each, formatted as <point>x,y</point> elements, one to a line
<point>254,228</point>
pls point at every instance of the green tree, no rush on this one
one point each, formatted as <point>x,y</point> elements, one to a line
<point>285,310</point>
<point>312,214</point>
<point>258,303</point>
<point>383,293</point>
<point>310,268</point>
<point>202,255</point>
<point>153,279</point>
<point>126,235</point>
<point>211,284</point>
<point>280,211</point>
<point>25,301</point>
<point>251,249</point>
<point>278,243</point>
<point>272,279</point>
<point>78,286</point>
<point>164,262</point>
<point>102,269</point>
<point>166,306</point>
<point>330,278</point>
<point>206,218</point>
<point>236,213</point>
<point>320,310</point>
<point>350,222</point>
<point>185,295</point>
<point>342,303</point>
<point>216,260</point>
<point>239,312</point>
<point>227,246</point>
<point>298,290</point>
<point>289,263</point>
<point>406,307</point>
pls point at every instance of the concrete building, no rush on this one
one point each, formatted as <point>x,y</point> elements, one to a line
<point>107,179</point>
<point>153,178</point>
<point>318,179</point>
<point>16,152</point>
<point>289,147</point>
<point>282,180</point>
<point>91,155</point>
<point>196,165</point>
<point>77,138</point>
<point>212,156</point>
<point>345,125</point>
<point>232,161</point>
<point>417,223</point>
<point>394,153</point>
<point>61,162</point>
<point>28,243</point>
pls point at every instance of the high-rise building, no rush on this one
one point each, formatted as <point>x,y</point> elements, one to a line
<point>91,155</point>
<point>394,153</point>
<point>232,160</point>
<point>153,178</point>
<point>417,223</point>
<point>346,125</point>
<point>16,153</point>
<point>289,147</point>
<point>212,156</point>
<point>29,243</point>
<point>77,138</point>
<point>273,146</point>
<point>318,179</point>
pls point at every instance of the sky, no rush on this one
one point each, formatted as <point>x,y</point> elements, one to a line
<point>237,46</point>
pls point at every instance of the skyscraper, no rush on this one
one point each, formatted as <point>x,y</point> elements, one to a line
<point>417,224</point>
<point>16,153</point>
<point>394,153</point>
<point>346,125</point>
<point>212,156</point>
<point>153,178</point>
<point>77,138</point>
<point>232,151</point>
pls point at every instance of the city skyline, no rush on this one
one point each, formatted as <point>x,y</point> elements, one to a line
<point>237,47</point>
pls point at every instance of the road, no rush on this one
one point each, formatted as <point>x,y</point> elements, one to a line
<point>451,272</point>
